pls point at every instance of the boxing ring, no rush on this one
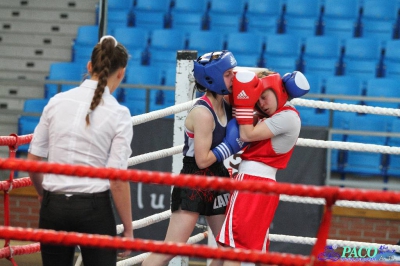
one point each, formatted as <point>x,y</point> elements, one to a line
<point>305,194</point>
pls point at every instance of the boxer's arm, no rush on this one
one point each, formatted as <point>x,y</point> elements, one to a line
<point>36,178</point>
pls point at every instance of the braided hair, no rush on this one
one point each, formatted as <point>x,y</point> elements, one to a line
<point>107,57</point>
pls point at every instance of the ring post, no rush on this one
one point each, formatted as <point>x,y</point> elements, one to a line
<point>184,92</point>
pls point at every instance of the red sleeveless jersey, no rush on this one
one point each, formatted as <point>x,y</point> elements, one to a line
<point>262,151</point>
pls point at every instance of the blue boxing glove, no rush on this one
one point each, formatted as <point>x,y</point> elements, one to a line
<point>231,143</point>
<point>296,84</point>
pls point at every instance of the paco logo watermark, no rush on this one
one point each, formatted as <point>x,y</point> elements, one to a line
<point>360,253</point>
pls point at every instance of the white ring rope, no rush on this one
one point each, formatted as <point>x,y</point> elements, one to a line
<point>341,243</point>
<point>343,203</point>
<point>346,107</point>
<point>139,258</point>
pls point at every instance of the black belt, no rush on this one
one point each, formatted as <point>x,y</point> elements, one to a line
<point>80,195</point>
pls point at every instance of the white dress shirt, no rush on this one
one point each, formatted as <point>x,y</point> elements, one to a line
<point>63,136</point>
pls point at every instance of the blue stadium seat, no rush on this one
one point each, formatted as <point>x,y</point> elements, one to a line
<point>132,38</point>
<point>67,71</point>
<point>266,25</point>
<point>341,18</point>
<point>167,39</point>
<point>366,163</point>
<point>189,15</point>
<point>118,18</point>
<point>392,69</point>
<point>363,69</point>
<point>226,15</point>
<point>151,14</point>
<point>136,98</point>
<point>187,21</point>
<point>301,26</point>
<point>205,41</point>
<point>87,35</point>
<point>379,10</point>
<point>248,60</point>
<point>321,55</point>
<point>313,117</point>
<point>322,47</point>
<point>82,53</point>
<point>281,64</point>
<point>362,49</point>
<point>225,23</point>
<point>163,58</point>
<point>382,87</point>
<point>392,51</point>
<point>343,9</point>
<point>190,6</point>
<point>283,45</point>
<point>169,77</point>
<point>263,16</point>
<point>316,84</point>
<point>343,85</point>
<point>381,29</point>
<point>341,119</point>
<point>303,8</point>
<point>339,27</point>
<point>248,43</point>
<point>161,99</point>
<point>34,105</point>
<point>282,52</point>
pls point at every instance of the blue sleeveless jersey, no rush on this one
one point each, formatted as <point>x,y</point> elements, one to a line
<point>219,130</point>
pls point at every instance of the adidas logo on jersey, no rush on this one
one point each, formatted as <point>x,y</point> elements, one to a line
<point>242,95</point>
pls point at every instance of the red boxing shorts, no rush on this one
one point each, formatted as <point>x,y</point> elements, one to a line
<point>248,218</point>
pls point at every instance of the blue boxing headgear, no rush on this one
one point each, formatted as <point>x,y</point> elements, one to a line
<point>209,70</point>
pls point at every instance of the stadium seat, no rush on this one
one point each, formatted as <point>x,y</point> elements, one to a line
<point>249,60</point>
<point>321,55</point>
<point>87,35</point>
<point>281,64</point>
<point>187,21</point>
<point>379,10</point>
<point>189,15</point>
<point>382,87</point>
<point>343,9</point>
<point>366,163</point>
<point>136,98</point>
<point>167,39</point>
<point>301,26</point>
<point>225,23</point>
<point>67,71</point>
<point>118,18</point>
<point>283,45</point>
<point>226,15</point>
<point>380,29</point>
<point>132,37</point>
<point>313,117</point>
<point>205,41</point>
<point>339,27</point>
<point>245,43</point>
<point>322,47</point>
<point>363,69</point>
<point>163,58</point>
<point>282,52</point>
<point>303,8</point>
<point>392,69</point>
<point>362,49</point>
<point>392,51</point>
<point>263,16</point>
<point>151,14</point>
<point>343,85</point>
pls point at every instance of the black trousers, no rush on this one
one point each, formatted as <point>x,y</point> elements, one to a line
<point>83,213</point>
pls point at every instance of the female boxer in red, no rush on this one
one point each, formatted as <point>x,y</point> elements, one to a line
<point>272,140</point>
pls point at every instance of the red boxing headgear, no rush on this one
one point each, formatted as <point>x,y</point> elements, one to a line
<point>274,82</point>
